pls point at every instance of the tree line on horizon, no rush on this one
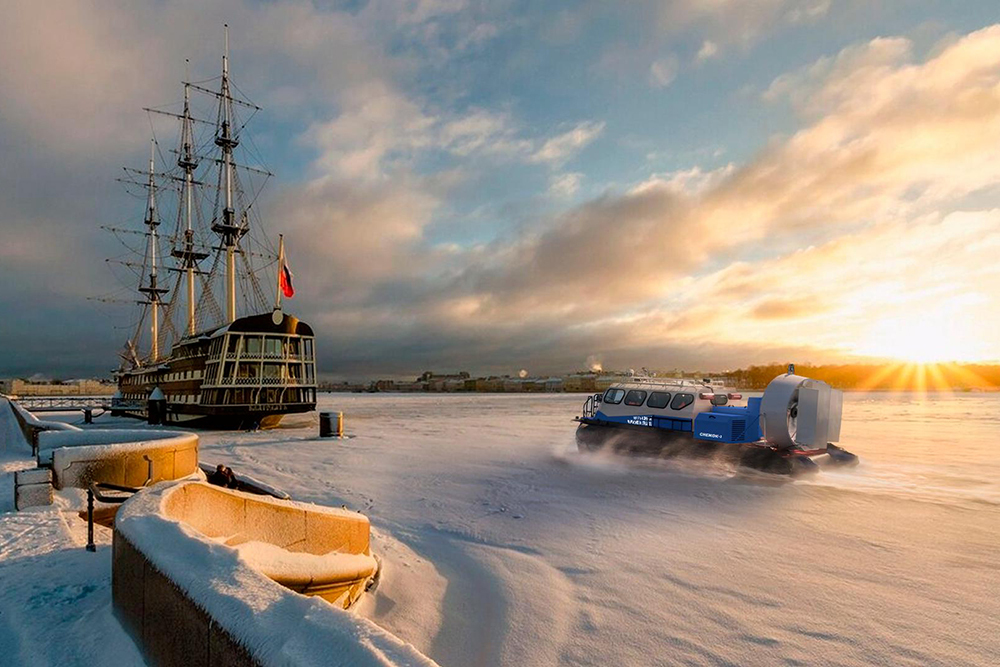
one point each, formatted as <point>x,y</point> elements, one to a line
<point>880,377</point>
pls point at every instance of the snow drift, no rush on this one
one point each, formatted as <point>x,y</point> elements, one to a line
<point>169,574</point>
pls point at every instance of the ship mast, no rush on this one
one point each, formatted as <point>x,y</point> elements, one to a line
<point>152,291</point>
<point>188,162</point>
<point>228,229</point>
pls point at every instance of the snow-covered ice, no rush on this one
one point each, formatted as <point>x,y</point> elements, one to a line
<point>502,545</point>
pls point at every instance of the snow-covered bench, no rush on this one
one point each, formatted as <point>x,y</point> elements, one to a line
<point>205,575</point>
<point>118,456</point>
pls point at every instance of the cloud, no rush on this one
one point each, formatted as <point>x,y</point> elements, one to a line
<point>692,181</point>
<point>565,185</point>
<point>870,61</point>
<point>785,309</point>
<point>736,21</point>
<point>560,148</point>
<point>379,130</point>
<point>663,71</point>
<point>708,50</point>
<point>861,187</point>
<point>879,205</point>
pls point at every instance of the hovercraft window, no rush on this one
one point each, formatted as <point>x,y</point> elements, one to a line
<point>681,401</point>
<point>635,397</point>
<point>614,396</point>
<point>658,399</point>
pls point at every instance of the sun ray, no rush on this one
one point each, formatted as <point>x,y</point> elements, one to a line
<point>902,382</point>
<point>920,379</point>
<point>965,376</point>
<point>878,377</point>
<point>938,380</point>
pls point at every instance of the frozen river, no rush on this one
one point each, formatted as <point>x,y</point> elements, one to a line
<point>504,546</point>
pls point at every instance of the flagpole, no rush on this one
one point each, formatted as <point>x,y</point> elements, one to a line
<point>281,267</point>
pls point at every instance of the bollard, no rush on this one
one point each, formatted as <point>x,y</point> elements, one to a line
<point>327,427</point>
<point>90,521</point>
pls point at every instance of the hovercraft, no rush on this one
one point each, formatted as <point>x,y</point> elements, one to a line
<point>790,430</point>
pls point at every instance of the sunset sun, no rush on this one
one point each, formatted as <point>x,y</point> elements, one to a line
<point>924,338</point>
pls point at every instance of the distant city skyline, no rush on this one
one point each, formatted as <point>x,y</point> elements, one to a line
<point>497,186</point>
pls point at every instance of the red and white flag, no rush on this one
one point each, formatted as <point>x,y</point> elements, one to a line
<point>285,280</point>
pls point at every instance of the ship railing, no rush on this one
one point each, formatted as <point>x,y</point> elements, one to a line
<point>590,406</point>
<point>268,380</point>
<point>257,356</point>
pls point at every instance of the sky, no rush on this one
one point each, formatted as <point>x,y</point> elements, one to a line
<point>506,185</point>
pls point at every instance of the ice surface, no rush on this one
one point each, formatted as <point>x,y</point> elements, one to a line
<point>55,597</point>
<point>549,557</point>
<point>501,545</point>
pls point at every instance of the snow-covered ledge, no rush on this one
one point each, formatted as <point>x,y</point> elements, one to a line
<point>117,456</point>
<point>187,597</point>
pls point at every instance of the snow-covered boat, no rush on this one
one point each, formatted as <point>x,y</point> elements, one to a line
<point>790,430</point>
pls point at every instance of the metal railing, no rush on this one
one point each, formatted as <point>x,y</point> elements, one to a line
<point>95,489</point>
<point>590,406</point>
<point>63,403</point>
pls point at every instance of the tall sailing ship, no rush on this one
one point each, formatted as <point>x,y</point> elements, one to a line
<point>246,366</point>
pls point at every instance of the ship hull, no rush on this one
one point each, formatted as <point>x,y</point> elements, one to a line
<point>238,418</point>
<point>248,374</point>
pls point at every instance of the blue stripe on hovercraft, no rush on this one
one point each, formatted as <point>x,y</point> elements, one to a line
<point>652,421</point>
<point>729,424</point>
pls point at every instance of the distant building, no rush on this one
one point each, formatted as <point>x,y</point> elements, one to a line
<point>411,386</point>
<point>341,386</point>
<point>532,384</point>
<point>513,384</point>
<point>19,387</point>
<point>604,381</point>
<point>580,382</point>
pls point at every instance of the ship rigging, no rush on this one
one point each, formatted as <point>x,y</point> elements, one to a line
<point>249,363</point>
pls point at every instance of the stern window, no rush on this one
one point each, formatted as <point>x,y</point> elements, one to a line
<point>272,346</point>
<point>253,345</point>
